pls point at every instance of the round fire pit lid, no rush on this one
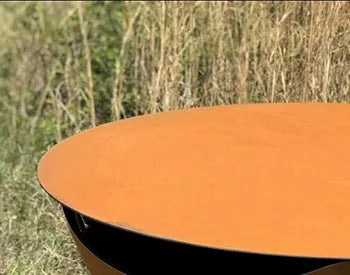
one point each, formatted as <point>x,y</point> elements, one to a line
<point>264,178</point>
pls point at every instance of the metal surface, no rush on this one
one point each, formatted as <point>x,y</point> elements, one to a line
<point>106,249</point>
<point>263,178</point>
<point>94,264</point>
<point>342,268</point>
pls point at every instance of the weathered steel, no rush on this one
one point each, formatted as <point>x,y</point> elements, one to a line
<point>271,179</point>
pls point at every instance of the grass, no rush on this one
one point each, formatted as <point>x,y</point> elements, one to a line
<point>69,66</point>
<point>33,233</point>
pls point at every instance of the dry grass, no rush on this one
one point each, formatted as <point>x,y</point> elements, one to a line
<point>173,55</point>
<point>68,66</point>
<point>33,232</point>
<point>192,54</point>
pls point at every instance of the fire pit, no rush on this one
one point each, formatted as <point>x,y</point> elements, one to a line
<point>258,187</point>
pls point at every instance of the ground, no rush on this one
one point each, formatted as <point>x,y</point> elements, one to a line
<point>34,237</point>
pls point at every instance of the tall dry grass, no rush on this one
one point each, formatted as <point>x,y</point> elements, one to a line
<point>169,55</point>
<point>190,54</point>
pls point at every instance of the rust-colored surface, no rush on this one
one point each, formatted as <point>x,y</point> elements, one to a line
<point>95,265</point>
<point>267,178</point>
<point>336,269</point>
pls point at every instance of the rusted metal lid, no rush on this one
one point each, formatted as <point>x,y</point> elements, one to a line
<point>265,178</point>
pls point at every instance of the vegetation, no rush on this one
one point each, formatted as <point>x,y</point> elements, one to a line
<point>68,66</point>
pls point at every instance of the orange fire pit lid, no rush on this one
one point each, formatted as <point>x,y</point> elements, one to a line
<point>265,178</point>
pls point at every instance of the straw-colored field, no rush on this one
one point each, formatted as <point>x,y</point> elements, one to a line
<point>68,66</point>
